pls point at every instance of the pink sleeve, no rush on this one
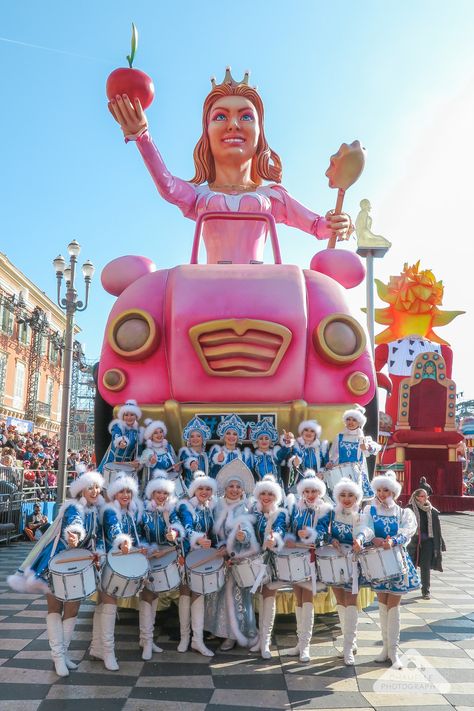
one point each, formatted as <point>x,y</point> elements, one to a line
<point>290,212</point>
<point>174,190</point>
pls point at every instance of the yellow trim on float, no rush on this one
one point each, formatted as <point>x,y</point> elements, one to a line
<point>321,346</point>
<point>151,342</point>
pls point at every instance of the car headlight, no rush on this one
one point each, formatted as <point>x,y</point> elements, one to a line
<point>133,334</point>
<point>339,338</point>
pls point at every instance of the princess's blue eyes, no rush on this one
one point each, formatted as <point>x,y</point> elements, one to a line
<point>243,117</point>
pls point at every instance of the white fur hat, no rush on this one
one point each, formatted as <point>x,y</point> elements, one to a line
<point>311,481</point>
<point>85,481</point>
<point>310,425</point>
<point>151,426</point>
<point>357,412</point>
<point>129,406</point>
<point>121,482</point>
<point>160,483</point>
<point>347,484</point>
<point>201,479</point>
<point>269,483</point>
<point>387,480</point>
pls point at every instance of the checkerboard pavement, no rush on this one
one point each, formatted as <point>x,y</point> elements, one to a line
<point>437,638</point>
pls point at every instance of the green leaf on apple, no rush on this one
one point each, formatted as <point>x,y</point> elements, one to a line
<point>131,56</point>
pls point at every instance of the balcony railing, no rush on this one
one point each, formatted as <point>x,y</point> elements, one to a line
<point>43,409</point>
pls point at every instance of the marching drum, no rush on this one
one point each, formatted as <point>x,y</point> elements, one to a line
<point>207,576</point>
<point>180,489</point>
<point>124,574</point>
<point>251,571</point>
<point>382,563</point>
<point>164,571</point>
<point>349,470</point>
<point>111,470</point>
<point>334,566</point>
<point>292,565</point>
<point>72,574</point>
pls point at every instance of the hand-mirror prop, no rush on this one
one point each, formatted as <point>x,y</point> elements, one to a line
<point>345,167</point>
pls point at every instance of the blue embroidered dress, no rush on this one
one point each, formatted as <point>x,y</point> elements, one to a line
<point>121,525</point>
<point>131,436</point>
<point>400,525</point>
<point>198,520</point>
<point>229,456</point>
<point>264,523</point>
<point>343,524</point>
<point>314,518</point>
<point>312,456</point>
<point>229,612</point>
<point>156,521</point>
<point>187,455</point>
<point>270,462</point>
<point>164,455</point>
<point>346,450</point>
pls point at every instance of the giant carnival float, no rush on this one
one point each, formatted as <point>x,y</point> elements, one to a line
<point>269,342</point>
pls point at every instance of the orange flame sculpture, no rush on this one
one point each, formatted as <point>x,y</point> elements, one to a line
<point>413,299</point>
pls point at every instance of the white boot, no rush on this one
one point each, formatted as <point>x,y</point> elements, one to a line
<point>154,605</point>
<point>68,630</point>
<point>108,636</point>
<point>197,623</point>
<point>256,647</point>
<point>184,607</point>
<point>95,650</point>
<point>54,625</point>
<point>146,629</point>
<point>294,651</point>
<point>307,620</point>
<point>351,619</point>
<point>341,611</point>
<point>383,656</point>
<point>393,636</point>
<point>266,626</point>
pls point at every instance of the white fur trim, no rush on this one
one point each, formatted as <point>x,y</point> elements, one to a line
<point>311,482</point>
<point>154,425</point>
<point>268,483</point>
<point>357,414</point>
<point>194,536</point>
<point>241,640</point>
<point>251,546</point>
<point>27,582</point>
<point>346,484</point>
<point>122,482</point>
<point>387,480</point>
<point>129,406</point>
<point>311,537</point>
<point>85,481</point>
<point>122,538</point>
<point>159,484</point>
<point>75,528</point>
<point>279,541</point>
<point>179,528</point>
<point>201,479</point>
<point>310,425</point>
<point>283,443</point>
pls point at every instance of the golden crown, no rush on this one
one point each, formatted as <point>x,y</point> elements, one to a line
<point>230,81</point>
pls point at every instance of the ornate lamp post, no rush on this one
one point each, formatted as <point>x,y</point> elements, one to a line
<point>70,304</point>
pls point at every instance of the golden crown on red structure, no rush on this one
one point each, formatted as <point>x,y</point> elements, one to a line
<point>230,81</point>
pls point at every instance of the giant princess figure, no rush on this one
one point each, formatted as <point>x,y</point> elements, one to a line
<point>232,159</point>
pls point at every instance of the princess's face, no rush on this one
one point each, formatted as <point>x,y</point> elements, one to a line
<point>351,423</point>
<point>203,494</point>
<point>308,435</point>
<point>267,499</point>
<point>129,418</point>
<point>159,497</point>
<point>124,497</point>
<point>233,491</point>
<point>264,442</point>
<point>158,435</point>
<point>383,493</point>
<point>230,439</point>
<point>195,439</point>
<point>347,499</point>
<point>310,495</point>
<point>91,494</point>
<point>233,129</point>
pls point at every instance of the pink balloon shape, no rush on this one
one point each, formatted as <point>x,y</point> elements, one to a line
<point>343,266</point>
<point>123,271</point>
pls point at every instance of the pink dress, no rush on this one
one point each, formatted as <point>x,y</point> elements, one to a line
<point>226,241</point>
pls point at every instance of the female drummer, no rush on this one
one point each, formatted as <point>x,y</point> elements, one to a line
<point>308,450</point>
<point>352,447</point>
<point>268,458</point>
<point>76,526</point>
<point>120,519</point>
<point>158,455</point>
<point>349,527</point>
<point>229,612</point>
<point>194,456</point>
<point>197,517</point>
<point>270,527</point>
<point>159,526</point>
<point>232,159</point>
<point>127,437</point>
<point>232,430</point>
<point>391,525</point>
<point>309,523</point>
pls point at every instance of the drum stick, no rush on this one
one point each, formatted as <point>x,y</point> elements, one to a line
<point>204,560</point>
<point>160,554</point>
<point>134,550</point>
<point>75,560</point>
<point>305,545</point>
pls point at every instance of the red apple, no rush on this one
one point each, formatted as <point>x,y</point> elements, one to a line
<point>133,82</point>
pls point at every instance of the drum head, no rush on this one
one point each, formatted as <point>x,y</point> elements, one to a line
<point>120,467</point>
<point>194,557</point>
<point>59,563</point>
<point>132,565</point>
<point>332,552</point>
<point>164,561</point>
<point>285,551</point>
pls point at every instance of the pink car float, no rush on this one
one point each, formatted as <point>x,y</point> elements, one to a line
<point>255,339</point>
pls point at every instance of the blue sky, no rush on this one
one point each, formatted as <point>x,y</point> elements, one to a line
<point>397,75</point>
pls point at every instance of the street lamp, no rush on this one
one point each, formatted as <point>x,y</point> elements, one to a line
<point>70,304</point>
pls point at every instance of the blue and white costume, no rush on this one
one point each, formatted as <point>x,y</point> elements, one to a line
<point>189,456</point>
<point>266,462</point>
<point>157,520</point>
<point>122,525</point>
<point>126,441</point>
<point>313,455</point>
<point>157,456</point>
<point>230,422</point>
